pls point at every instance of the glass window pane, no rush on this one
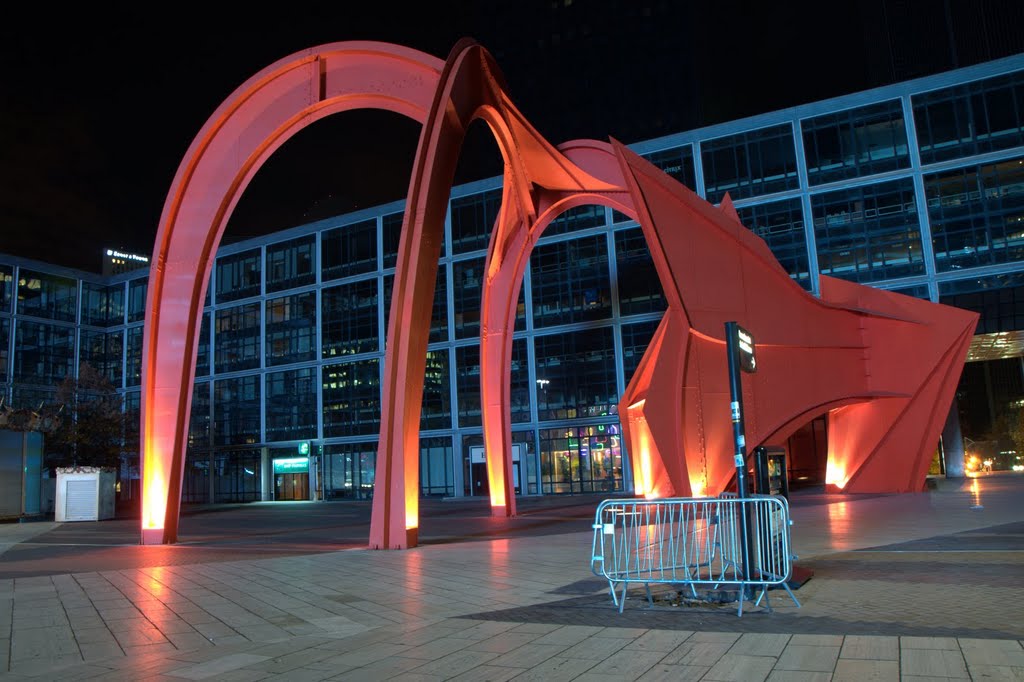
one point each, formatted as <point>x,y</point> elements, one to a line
<point>236,410</point>
<point>238,276</point>
<point>6,288</point>
<point>996,298</point>
<point>677,162</point>
<point>199,419</point>
<point>137,300</point>
<point>5,344</point>
<point>855,142</point>
<point>291,264</point>
<point>349,470</point>
<point>635,339</point>
<point>973,118</point>
<point>237,338</point>
<point>570,282</point>
<point>350,319</point>
<point>977,214</point>
<point>781,225</point>
<point>467,364</point>
<point>102,351</point>
<point>291,405</point>
<point>102,306</point>
<point>349,250</point>
<point>473,219</point>
<point>133,356</point>
<point>868,233</point>
<point>581,459</point>
<point>639,287</point>
<point>576,375</point>
<point>203,349</point>
<point>575,219</point>
<point>50,296</point>
<point>751,163</point>
<point>351,394</point>
<point>436,412</point>
<point>43,353</point>
<point>236,476</point>
<point>291,329</point>
<point>437,475</point>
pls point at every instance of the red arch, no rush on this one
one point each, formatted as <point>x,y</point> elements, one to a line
<point>900,356</point>
<point>255,120</point>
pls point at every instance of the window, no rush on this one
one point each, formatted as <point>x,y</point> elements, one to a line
<point>676,162</point>
<point>977,214</point>
<point>576,375</point>
<point>6,288</point>
<point>635,339</point>
<point>291,264</point>
<point>291,412</point>
<point>999,299</point>
<point>50,296</point>
<point>467,365</point>
<point>236,410</point>
<point>579,218</point>
<point>349,470</point>
<point>968,119</point>
<point>855,142</point>
<point>102,351</point>
<point>237,338</point>
<point>570,282</point>
<point>751,163</point>
<point>238,276</point>
<point>781,225</point>
<point>473,218</point>
<point>291,329</point>
<point>639,287</point>
<point>203,348</point>
<point>349,250</point>
<point>133,356</point>
<point>581,459</point>
<point>436,412</point>
<point>102,306</point>
<point>137,300</point>
<point>868,233</point>
<point>351,395</point>
<point>350,319</point>
<point>199,419</point>
<point>43,353</point>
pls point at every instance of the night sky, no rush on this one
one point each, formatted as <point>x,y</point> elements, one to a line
<point>101,101</point>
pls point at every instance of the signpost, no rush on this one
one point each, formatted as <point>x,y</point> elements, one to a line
<point>739,345</point>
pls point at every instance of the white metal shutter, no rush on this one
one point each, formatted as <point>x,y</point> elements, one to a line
<point>80,503</point>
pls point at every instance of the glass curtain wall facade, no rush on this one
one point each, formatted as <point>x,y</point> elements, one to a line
<point>916,187</point>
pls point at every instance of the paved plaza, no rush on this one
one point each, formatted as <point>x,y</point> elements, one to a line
<point>926,586</point>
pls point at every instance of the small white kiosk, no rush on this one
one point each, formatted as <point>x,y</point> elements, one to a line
<point>85,494</point>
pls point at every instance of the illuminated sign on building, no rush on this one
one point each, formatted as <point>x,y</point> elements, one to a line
<point>127,256</point>
<point>291,465</point>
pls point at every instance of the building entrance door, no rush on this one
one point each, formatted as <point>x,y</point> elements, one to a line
<point>291,478</point>
<point>291,486</point>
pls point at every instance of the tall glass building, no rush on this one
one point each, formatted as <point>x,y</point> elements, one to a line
<point>916,187</point>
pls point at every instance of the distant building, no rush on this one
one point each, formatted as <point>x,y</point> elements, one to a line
<point>115,262</point>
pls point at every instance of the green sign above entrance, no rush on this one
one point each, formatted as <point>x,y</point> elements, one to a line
<point>291,465</point>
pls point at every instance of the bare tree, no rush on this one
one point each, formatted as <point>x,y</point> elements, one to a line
<point>89,433</point>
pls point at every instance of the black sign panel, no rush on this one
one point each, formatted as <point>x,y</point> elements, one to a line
<point>745,348</point>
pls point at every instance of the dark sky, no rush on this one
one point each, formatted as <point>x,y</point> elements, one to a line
<point>100,101</point>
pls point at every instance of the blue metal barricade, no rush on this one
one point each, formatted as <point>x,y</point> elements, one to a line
<point>694,542</point>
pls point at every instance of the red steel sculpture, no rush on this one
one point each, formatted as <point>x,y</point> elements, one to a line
<point>883,365</point>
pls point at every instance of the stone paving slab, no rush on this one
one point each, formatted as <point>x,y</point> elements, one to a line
<point>882,604</point>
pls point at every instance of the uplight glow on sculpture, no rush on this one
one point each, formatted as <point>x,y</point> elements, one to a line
<point>890,361</point>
